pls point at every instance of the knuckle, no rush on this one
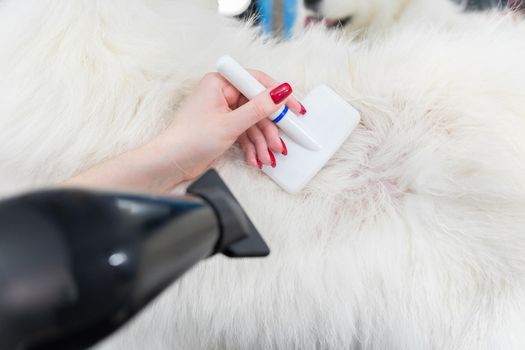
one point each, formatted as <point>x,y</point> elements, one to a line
<point>258,109</point>
<point>269,128</point>
<point>209,78</point>
<point>259,140</point>
<point>255,137</point>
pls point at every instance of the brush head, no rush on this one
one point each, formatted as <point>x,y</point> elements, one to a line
<point>330,120</point>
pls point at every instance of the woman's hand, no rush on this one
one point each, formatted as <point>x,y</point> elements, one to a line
<point>207,124</point>
<point>260,140</point>
<point>216,115</point>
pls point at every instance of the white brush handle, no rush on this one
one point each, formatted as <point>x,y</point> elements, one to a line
<point>251,87</point>
<point>239,77</point>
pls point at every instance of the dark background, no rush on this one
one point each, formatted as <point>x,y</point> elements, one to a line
<point>470,5</point>
<point>482,4</point>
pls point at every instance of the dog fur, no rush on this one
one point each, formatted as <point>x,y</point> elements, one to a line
<point>411,237</point>
<point>372,18</point>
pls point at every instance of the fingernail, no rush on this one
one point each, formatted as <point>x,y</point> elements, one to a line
<point>281,92</point>
<point>285,150</point>
<point>259,163</point>
<point>272,158</point>
<point>303,110</point>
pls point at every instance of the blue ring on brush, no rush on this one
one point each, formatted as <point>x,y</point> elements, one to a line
<point>280,116</point>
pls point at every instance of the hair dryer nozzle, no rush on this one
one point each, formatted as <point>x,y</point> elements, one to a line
<point>239,237</point>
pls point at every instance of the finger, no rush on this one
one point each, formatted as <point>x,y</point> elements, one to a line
<point>231,94</point>
<point>271,135</point>
<point>261,147</point>
<point>292,103</point>
<point>248,148</point>
<point>263,78</point>
<point>241,100</point>
<point>216,82</point>
<point>296,106</point>
<point>263,105</point>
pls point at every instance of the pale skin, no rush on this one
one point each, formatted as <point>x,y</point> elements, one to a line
<point>209,122</point>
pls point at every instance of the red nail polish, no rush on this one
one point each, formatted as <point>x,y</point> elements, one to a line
<point>259,164</point>
<point>281,92</point>
<point>303,110</point>
<point>272,158</point>
<point>285,150</point>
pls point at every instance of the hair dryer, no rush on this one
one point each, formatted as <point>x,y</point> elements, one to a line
<point>75,265</point>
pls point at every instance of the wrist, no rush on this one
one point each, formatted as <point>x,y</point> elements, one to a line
<point>138,170</point>
<point>164,161</point>
<point>182,152</point>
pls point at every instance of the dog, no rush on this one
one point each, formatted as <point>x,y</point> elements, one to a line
<point>371,18</point>
<point>412,235</point>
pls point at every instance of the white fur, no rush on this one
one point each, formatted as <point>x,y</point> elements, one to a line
<point>411,237</point>
<point>372,18</point>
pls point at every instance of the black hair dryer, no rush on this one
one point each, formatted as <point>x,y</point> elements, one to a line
<point>75,265</point>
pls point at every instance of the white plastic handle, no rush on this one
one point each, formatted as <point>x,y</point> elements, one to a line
<point>239,77</point>
<point>251,87</point>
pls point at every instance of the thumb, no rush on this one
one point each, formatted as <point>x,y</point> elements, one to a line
<point>262,106</point>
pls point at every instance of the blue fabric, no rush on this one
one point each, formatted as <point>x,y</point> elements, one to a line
<point>290,15</point>
<point>265,15</point>
<point>289,11</point>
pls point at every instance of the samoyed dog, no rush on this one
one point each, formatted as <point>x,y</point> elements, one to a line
<point>411,237</point>
<point>371,18</point>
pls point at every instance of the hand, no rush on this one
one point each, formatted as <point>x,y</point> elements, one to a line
<point>260,140</point>
<point>216,115</point>
<point>207,124</point>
